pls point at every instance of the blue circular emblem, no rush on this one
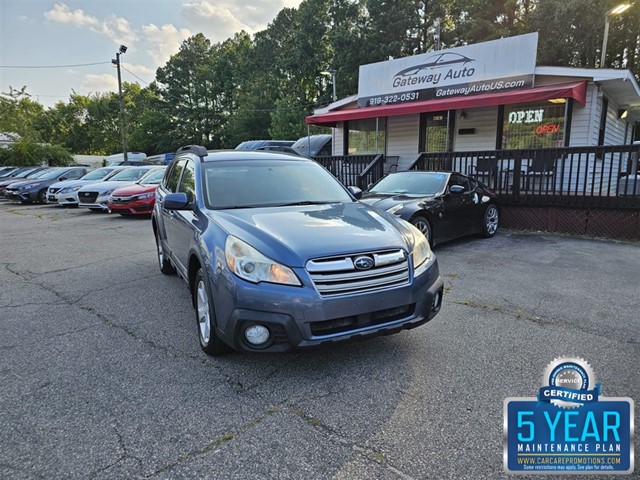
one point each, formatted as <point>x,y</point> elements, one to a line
<point>363,263</point>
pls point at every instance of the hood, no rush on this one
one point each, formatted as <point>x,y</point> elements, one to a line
<point>22,181</point>
<point>70,183</point>
<point>105,186</point>
<point>293,235</point>
<point>385,201</point>
<point>135,189</point>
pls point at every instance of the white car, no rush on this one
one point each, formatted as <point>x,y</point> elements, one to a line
<point>66,193</point>
<point>95,196</point>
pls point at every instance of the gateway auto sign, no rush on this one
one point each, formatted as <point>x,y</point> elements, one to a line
<point>487,67</point>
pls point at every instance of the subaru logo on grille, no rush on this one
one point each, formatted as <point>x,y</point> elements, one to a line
<point>363,263</point>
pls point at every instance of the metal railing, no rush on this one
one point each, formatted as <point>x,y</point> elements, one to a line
<point>574,176</point>
<point>355,170</point>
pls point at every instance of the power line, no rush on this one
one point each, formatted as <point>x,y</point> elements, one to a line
<point>146,83</point>
<point>55,66</point>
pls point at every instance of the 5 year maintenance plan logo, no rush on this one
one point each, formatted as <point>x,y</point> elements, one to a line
<point>570,427</point>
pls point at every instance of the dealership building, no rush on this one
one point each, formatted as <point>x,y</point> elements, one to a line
<point>484,97</point>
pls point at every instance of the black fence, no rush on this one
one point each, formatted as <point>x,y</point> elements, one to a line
<point>599,177</point>
<point>355,170</point>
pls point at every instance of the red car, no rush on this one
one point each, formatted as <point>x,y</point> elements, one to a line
<point>139,198</point>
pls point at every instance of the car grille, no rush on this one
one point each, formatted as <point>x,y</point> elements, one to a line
<point>122,200</point>
<point>53,190</point>
<point>87,197</point>
<point>347,324</point>
<point>362,272</point>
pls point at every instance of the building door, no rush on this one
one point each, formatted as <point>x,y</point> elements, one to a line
<point>435,132</point>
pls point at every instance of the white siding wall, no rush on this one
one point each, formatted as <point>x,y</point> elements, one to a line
<point>615,131</point>
<point>403,133</point>
<point>485,121</point>
<point>581,131</point>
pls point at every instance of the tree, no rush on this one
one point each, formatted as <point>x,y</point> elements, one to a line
<point>20,114</point>
<point>25,152</point>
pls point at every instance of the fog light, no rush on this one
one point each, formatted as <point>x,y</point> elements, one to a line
<point>256,334</point>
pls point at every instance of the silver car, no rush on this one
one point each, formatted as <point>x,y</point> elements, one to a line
<point>95,196</point>
<point>66,193</point>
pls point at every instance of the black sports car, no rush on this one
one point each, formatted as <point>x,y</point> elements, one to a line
<point>442,205</point>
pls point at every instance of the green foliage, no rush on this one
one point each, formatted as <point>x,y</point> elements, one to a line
<point>25,152</point>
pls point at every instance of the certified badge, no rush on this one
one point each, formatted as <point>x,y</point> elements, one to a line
<point>570,427</point>
<point>569,383</point>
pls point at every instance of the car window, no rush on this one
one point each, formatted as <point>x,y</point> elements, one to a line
<point>188,181</point>
<point>456,179</point>
<point>74,174</point>
<point>173,176</point>
<point>130,174</point>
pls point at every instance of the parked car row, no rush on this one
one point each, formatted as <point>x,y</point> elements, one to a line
<point>134,187</point>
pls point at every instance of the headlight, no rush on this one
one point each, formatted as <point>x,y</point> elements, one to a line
<point>395,208</point>
<point>70,189</point>
<point>249,264</point>
<point>421,250</point>
<point>146,195</point>
<point>28,186</point>
<point>108,192</point>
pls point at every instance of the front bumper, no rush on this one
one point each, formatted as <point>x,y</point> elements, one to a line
<point>18,196</point>
<point>100,203</point>
<point>68,199</point>
<point>308,320</point>
<point>135,207</point>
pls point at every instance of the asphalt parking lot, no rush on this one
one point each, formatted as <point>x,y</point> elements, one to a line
<point>102,375</point>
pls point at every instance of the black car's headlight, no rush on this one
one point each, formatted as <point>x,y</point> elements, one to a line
<point>251,265</point>
<point>395,208</point>
<point>28,186</point>
<point>421,251</point>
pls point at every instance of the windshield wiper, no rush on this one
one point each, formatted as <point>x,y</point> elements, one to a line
<point>305,202</point>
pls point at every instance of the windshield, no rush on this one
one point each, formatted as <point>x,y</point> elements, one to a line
<point>412,183</point>
<point>262,183</point>
<point>129,174</point>
<point>98,174</point>
<point>153,178</point>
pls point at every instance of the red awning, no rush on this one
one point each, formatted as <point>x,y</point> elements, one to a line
<point>577,91</point>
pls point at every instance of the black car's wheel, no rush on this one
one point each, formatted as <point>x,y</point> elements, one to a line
<point>422,224</point>
<point>491,221</point>
<point>209,341</point>
<point>163,261</point>
<point>42,196</point>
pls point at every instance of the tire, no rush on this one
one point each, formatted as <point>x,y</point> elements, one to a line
<point>165,264</point>
<point>205,318</point>
<point>42,197</point>
<point>422,224</point>
<point>490,221</point>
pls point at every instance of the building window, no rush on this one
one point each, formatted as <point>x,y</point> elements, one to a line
<point>534,125</point>
<point>367,136</point>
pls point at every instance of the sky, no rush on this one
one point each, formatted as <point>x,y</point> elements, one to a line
<point>57,39</point>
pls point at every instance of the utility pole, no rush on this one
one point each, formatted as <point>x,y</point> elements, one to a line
<point>116,62</point>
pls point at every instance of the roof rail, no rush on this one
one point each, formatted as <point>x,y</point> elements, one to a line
<point>199,150</point>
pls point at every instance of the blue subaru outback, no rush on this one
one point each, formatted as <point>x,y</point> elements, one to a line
<point>279,255</point>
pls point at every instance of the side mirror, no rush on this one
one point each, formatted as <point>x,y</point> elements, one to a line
<point>176,201</point>
<point>356,192</point>
<point>457,189</point>
<point>62,179</point>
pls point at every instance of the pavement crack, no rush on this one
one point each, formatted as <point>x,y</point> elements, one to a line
<point>367,453</point>
<point>216,443</point>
